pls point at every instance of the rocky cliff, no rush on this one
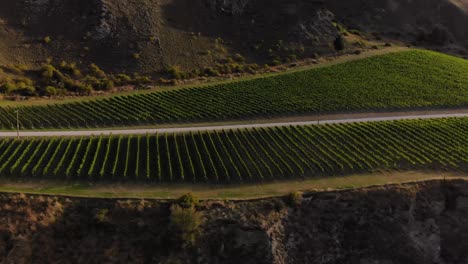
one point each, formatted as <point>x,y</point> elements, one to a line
<point>413,223</point>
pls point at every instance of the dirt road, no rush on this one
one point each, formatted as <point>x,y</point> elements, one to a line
<point>344,118</point>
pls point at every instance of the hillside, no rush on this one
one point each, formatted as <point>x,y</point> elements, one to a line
<point>405,80</point>
<point>149,36</point>
<point>420,223</point>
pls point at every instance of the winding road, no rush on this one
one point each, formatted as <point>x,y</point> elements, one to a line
<point>329,119</point>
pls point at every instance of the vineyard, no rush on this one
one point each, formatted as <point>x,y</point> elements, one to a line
<point>404,80</point>
<point>243,155</point>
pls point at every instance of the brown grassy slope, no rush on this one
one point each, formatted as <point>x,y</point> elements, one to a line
<point>149,35</point>
<point>438,24</point>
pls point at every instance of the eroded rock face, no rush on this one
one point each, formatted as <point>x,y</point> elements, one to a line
<point>233,7</point>
<point>415,223</point>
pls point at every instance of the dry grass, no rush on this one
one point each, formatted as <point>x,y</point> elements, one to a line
<point>224,191</point>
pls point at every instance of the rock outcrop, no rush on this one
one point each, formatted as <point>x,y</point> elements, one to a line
<point>412,223</point>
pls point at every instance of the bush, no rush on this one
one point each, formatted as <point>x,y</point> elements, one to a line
<point>48,72</point>
<point>24,89</point>
<point>140,80</point>
<point>8,87</point>
<point>339,27</point>
<point>339,43</point>
<point>102,215</point>
<point>96,71</point>
<point>47,40</point>
<point>239,58</point>
<point>185,223</point>
<point>276,62</point>
<point>295,198</point>
<point>175,72</point>
<point>51,91</point>
<point>212,72</point>
<point>20,86</point>
<point>355,32</point>
<point>77,86</point>
<point>122,79</point>
<point>69,68</point>
<point>188,200</point>
<point>103,85</point>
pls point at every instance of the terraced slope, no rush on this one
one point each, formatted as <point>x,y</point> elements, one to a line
<point>243,155</point>
<point>404,80</point>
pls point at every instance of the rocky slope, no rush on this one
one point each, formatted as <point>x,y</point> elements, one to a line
<point>151,35</point>
<point>413,223</point>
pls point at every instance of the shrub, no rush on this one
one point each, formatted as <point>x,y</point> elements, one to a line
<point>188,200</point>
<point>239,58</point>
<point>276,62</point>
<point>195,72</point>
<point>24,89</point>
<point>20,86</point>
<point>212,72</point>
<point>102,215</point>
<point>104,84</point>
<point>292,57</point>
<point>48,72</point>
<point>339,43</point>
<point>16,69</point>
<point>355,32</point>
<point>77,86</point>
<point>69,68</point>
<point>339,27</point>
<point>96,71</point>
<point>51,91</point>
<point>8,87</point>
<point>251,68</point>
<point>140,80</point>
<point>122,79</point>
<point>185,222</point>
<point>175,72</point>
<point>295,198</point>
<point>47,39</point>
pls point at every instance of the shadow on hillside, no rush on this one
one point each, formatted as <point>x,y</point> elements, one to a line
<point>252,29</point>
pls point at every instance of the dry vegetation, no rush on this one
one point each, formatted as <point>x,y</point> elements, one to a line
<point>413,223</point>
<point>208,39</point>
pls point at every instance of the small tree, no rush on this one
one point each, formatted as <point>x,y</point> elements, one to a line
<point>47,39</point>
<point>339,43</point>
<point>186,222</point>
<point>188,200</point>
<point>295,198</point>
<point>51,91</point>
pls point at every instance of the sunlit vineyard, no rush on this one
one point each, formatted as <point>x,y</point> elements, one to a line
<point>405,80</point>
<point>243,155</point>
